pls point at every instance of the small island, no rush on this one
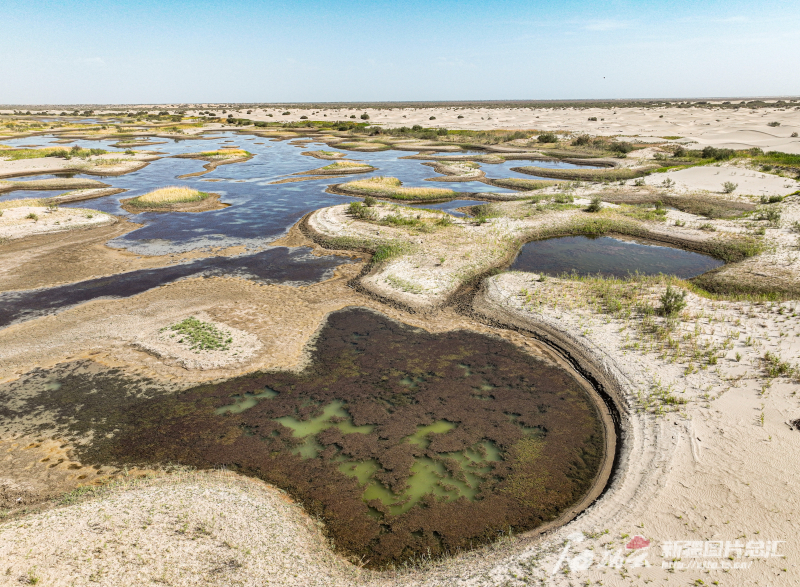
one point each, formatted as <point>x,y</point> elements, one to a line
<point>173,199</point>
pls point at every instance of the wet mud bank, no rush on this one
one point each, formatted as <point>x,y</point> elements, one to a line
<point>275,265</point>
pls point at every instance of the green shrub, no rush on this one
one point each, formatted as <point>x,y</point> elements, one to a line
<point>432,118</point>
<point>360,211</point>
<point>673,301</point>
<point>365,116</point>
<point>483,211</point>
<point>593,119</point>
<point>771,215</point>
<point>370,201</point>
<point>621,147</point>
<point>773,124</point>
<point>729,187</point>
<point>717,154</point>
<point>595,206</point>
<point>547,137</point>
<point>776,367</point>
<point>32,216</point>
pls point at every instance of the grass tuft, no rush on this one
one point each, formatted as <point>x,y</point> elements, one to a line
<point>199,335</point>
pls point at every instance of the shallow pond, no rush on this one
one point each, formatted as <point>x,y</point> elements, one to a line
<point>503,170</point>
<point>609,256</point>
<point>405,443</point>
<point>260,211</point>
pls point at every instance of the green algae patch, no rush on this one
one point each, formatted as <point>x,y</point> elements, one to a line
<point>405,443</point>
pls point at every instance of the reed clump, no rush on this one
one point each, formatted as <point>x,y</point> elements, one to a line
<point>345,165</point>
<point>392,188</point>
<point>167,197</point>
<point>226,154</point>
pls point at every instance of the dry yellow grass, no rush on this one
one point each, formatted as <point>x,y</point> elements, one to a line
<point>225,153</point>
<point>391,187</point>
<point>345,165</point>
<point>169,195</point>
<point>8,204</point>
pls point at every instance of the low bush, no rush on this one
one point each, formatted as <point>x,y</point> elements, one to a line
<point>771,215</point>
<point>673,301</point>
<point>729,187</point>
<point>717,154</point>
<point>360,211</point>
<point>595,206</point>
<point>621,147</point>
<point>547,137</point>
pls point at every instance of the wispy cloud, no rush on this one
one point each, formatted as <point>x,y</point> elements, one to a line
<point>608,24</point>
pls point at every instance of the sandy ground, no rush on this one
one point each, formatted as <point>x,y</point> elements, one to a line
<point>172,349</point>
<point>110,164</point>
<point>24,221</point>
<point>230,530</point>
<point>740,129</point>
<point>712,177</point>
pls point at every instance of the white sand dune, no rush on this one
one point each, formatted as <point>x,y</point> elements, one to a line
<point>711,178</point>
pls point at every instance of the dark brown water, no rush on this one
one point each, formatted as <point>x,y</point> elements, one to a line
<point>405,443</point>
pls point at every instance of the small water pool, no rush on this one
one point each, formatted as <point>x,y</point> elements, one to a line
<point>609,256</point>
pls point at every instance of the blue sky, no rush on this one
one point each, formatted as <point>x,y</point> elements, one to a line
<point>65,51</point>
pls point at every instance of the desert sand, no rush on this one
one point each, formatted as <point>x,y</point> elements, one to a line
<point>741,129</point>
